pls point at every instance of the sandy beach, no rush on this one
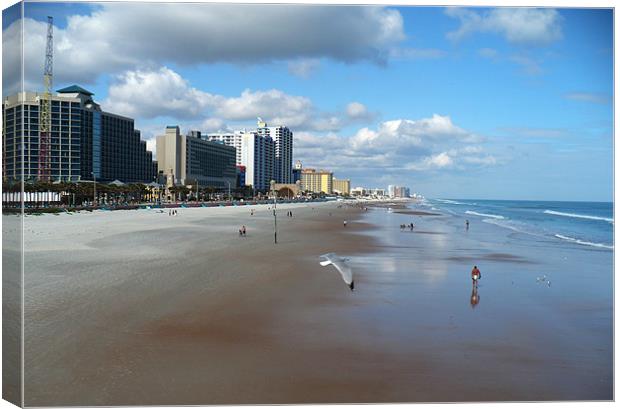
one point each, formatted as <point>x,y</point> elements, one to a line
<point>142,308</point>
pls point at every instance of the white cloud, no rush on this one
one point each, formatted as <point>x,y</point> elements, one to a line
<point>528,64</point>
<point>525,26</point>
<point>151,145</point>
<point>147,94</point>
<point>595,98</point>
<point>304,68</point>
<point>438,161</point>
<point>279,107</point>
<point>529,132</point>
<point>427,144</point>
<point>214,125</point>
<point>356,110</point>
<point>116,37</point>
<point>404,53</point>
<point>489,53</point>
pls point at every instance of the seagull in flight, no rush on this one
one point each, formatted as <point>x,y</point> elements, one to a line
<point>341,266</point>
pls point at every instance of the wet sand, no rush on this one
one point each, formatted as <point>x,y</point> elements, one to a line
<point>417,213</point>
<point>140,308</point>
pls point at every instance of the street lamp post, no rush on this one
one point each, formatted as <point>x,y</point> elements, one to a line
<point>94,189</point>
<point>275,219</point>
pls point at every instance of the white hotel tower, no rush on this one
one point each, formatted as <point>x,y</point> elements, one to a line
<point>283,155</point>
<point>255,152</point>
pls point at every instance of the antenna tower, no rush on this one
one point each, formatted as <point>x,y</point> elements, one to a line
<point>45,120</point>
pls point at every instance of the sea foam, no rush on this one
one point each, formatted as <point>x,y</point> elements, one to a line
<point>585,243</point>
<point>450,201</point>
<point>579,216</point>
<point>493,216</point>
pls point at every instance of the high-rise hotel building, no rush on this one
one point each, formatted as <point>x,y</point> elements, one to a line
<point>84,140</point>
<point>187,159</point>
<point>317,181</point>
<point>255,152</point>
<point>283,150</point>
<point>342,186</point>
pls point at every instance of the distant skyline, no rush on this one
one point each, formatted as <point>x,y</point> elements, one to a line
<point>486,103</point>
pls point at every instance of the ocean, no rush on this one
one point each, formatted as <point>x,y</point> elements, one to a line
<point>537,326</point>
<point>574,223</point>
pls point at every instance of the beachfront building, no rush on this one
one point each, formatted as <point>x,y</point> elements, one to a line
<point>231,139</point>
<point>358,191</point>
<point>391,190</point>
<point>283,150</point>
<point>401,191</point>
<point>297,171</point>
<point>255,152</point>
<point>378,192</point>
<point>192,158</point>
<point>85,142</point>
<point>240,176</point>
<point>341,186</point>
<point>320,181</point>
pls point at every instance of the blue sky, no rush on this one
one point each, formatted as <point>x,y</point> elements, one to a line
<point>507,103</point>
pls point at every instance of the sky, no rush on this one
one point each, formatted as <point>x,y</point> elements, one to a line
<point>484,103</point>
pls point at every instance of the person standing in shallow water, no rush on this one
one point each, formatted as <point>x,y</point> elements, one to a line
<point>466,224</point>
<point>475,275</point>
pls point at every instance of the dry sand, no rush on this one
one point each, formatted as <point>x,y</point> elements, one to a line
<point>138,307</point>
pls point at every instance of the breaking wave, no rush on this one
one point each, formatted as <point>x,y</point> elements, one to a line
<point>585,243</point>
<point>579,216</point>
<point>493,216</point>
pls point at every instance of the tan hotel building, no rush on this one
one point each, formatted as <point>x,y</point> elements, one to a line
<point>317,181</point>
<point>342,186</point>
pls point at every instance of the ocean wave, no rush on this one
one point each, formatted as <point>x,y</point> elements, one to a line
<point>509,225</point>
<point>579,216</point>
<point>585,243</point>
<point>451,202</point>
<point>493,216</point>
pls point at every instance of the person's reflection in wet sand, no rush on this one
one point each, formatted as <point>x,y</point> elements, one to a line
<point>475,298</point>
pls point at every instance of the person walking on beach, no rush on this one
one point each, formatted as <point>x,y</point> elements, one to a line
<point>475,275</point>
<point>240,232</point>
<point>345,223</point>
<point>243,230</point>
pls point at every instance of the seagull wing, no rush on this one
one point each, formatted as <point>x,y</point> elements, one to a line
<point>345,271</point>
<point>340,264</point>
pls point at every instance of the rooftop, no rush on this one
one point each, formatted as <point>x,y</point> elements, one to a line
<point>72,89</point>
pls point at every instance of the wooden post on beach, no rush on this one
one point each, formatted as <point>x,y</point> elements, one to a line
<point>94,189</point>
<point>275,220</point>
